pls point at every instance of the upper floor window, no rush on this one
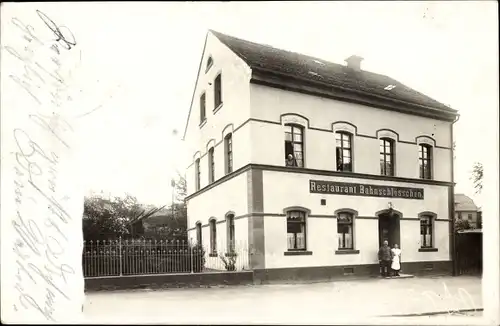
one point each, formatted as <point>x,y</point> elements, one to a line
<point>210,62</point>
<point>294,145</point>
<point>218,91</point>
<point>198,233</point>
<point>387,156</point>
<point>231,240</point>
<point>203,113</point>
<point>426,232</point>
<point>296,230</point>
<point>228,144</point>
<point>425,160</point>
<point>344,151</point>
<point>345,230</point>
<point>197,174</point>
<point>213,237</point>
<point>211,165</point>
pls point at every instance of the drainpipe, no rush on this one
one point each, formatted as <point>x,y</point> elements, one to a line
<point>452,204</point>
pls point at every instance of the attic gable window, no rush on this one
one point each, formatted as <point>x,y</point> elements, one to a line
<point>210,62</point>
<point>203,112</point>
<point>218,91</point>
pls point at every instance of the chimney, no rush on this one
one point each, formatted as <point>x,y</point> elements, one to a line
<point>354,62</point>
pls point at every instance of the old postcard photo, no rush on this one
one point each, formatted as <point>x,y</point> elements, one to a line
<point>250,162</point>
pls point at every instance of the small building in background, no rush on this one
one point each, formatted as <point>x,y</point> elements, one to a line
<point>466,209</point>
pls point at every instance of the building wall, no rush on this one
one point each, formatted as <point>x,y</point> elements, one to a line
<point>229,196</point>
<point>235,110</point>
<point>269,104</point>
<point>322,227</point>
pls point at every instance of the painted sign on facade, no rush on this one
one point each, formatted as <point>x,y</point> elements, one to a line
<point>359,189</point>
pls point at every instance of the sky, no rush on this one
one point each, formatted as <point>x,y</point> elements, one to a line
<point>140,60</point>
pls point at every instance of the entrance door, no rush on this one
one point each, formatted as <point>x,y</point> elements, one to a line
<point>388,229</point>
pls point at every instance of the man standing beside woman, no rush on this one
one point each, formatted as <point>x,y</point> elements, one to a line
<point>389,259</point>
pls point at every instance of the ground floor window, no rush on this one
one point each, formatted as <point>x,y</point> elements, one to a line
<point>231,241</point>
<point>198,233</point>
<point>345,230</point>
<point>213,237</point>
<point>296,230</point>
<point>426,231</point>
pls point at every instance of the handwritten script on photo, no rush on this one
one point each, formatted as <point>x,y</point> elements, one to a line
<point>42,226</point>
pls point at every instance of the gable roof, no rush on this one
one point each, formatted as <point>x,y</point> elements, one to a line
<point>307,69</point>
<point>464,203</point>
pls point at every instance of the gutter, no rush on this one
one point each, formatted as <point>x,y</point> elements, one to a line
<point>451,203</point>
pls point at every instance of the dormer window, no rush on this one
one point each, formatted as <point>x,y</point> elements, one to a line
<point>210,62</point>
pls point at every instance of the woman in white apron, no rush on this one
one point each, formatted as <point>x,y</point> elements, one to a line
<point>396,260</point>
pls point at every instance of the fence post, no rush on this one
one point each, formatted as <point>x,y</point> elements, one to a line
<point>191,255</point>
<point>121,257</point>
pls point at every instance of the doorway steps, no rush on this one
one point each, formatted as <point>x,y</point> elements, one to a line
<point>398,277</point>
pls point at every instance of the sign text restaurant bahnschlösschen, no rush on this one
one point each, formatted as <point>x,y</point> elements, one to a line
<point>358,189</point>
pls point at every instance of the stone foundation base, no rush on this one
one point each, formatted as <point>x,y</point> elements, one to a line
<point>330,273</point>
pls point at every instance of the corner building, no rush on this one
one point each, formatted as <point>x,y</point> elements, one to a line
<point>313,164</point>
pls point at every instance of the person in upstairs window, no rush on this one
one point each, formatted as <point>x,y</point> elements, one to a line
<point>290,160</point>
<point>385,258</point>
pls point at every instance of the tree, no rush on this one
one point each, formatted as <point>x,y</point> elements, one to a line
<point>106,219</point>
<point>477,176</point>
<point>180,187</point>
<point>462,225</point>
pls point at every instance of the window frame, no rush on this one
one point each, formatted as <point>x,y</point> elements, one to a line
<point>301,129</point>
<point>428,159</point>
<point>340,157</point>
<point>203,107</point>
<point>351,224</point>
<point>303,223</point>
<point>199,233</point>
<point>218,91</point>
<point>391,156</point>
<point>429,227</point>
<point>210,62</point>
<point>228,152</point>
<point>230,230</point>
<point>211,165</point>
<point>197,174</point>
<point>213,236</point>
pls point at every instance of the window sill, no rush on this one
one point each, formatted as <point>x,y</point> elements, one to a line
<point>204,122</point>
<point>230,254</point>
<point>298,253</point>
<point>218,108</point>
<point>427,249</point>
<point>346,252</point>
<point>212,255</point>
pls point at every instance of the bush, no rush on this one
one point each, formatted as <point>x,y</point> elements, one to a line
<point>198,258</point>
<point>462,225</point>
<point>230,262</point>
